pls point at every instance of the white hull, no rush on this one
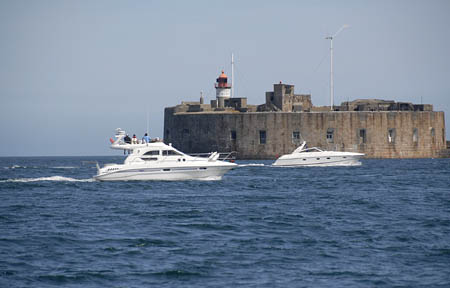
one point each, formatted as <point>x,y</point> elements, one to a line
<point>303,156</point>
<point>322,161</point>
<point>158,161</point>
<point>165,174</point>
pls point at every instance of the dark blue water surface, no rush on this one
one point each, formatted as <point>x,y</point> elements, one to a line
<point>385,223</point>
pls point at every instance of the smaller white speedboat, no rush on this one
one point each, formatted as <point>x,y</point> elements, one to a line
<point>159,161</point>
<point>314,156</point>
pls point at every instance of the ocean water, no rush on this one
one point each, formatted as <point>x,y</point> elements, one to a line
<point>385,223</point>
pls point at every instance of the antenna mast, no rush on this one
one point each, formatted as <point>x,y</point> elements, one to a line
<point>147,120</point>
<point>232,75</point>
<point>331,64</point>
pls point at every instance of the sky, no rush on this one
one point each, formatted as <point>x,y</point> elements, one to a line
<point>73,71</point>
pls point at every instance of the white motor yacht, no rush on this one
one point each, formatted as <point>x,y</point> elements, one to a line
<point>158,161</point>
<point>314,156</point>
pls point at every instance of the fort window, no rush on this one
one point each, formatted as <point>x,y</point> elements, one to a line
<point>433,134</point>
<point>295,136</point>
<point>330,135</point>
<point>262,136</point>
<point>186,131</point>
<point>415,135</point>
<point>391,135</point>
<point>233,135</point>
<point>362,136</point>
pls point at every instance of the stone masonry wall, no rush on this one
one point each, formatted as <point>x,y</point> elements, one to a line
<point>413,134</point>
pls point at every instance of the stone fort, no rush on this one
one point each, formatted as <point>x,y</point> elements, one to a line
<point>378,128</point>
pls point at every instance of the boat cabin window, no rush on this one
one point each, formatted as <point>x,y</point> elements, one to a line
<point>170,153</point>
<point>149,158</point>
<point>153,152</point>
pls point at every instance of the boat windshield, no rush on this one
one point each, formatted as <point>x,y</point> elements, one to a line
<point>170,153</point>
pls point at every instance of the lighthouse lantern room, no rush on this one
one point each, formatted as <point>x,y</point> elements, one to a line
<point>223,89</point>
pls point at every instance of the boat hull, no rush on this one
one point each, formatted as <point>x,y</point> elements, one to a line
<point>166,173</point>
<point>303,160</point>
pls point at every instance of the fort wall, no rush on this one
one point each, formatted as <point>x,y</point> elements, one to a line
<point>267,135</point>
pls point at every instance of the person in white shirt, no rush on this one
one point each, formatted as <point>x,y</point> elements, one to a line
<point>134,139</point>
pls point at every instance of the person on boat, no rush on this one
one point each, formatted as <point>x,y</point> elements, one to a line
<point>134,139</point>
<point>127,139</point>
<point>146,138</point>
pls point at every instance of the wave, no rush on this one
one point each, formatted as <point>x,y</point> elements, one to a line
<point>252,165</point>
<point>64,167</point>
<point>211,178</point>
<point>36,167</point>
<point>20,167</point>
<point>51,178</point>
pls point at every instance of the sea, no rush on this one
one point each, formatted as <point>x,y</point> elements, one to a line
<point>385,223</point>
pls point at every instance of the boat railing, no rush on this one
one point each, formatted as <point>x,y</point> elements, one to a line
<point>223,156</point>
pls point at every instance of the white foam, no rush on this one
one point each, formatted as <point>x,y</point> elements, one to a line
<point>211,178</point>
<point>51,178</point>
<point>251,164</point>
<point>16,167</point>
<point>64,167</point>
<point>21,167</point>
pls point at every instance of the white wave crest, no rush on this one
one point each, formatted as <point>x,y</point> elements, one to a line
<point>21,167</point>
<point>64,167</point>
<point>252,165</point>
<point>51,178</point>
<point>211,178</point>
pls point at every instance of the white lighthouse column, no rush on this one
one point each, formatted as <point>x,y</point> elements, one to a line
<point>223,90</point>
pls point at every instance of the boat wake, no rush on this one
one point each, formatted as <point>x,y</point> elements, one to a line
<point>252,165</point>
<point>20,167</point>
<point>51,178</point>
<point>36,167</point>
<point>211,178</point>
<point>64,167</point>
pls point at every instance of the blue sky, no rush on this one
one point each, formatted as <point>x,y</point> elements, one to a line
<point>73,71</point>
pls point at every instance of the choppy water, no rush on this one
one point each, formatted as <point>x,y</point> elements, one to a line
<point>385,223</point>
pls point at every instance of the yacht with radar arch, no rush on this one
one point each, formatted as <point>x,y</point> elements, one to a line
<point>159,161</point>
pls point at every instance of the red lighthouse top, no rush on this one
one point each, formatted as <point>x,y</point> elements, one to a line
<point>223,75</point>
<point>222,81</point>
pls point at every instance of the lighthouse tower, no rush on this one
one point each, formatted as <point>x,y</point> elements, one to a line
<point>223,90</point>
